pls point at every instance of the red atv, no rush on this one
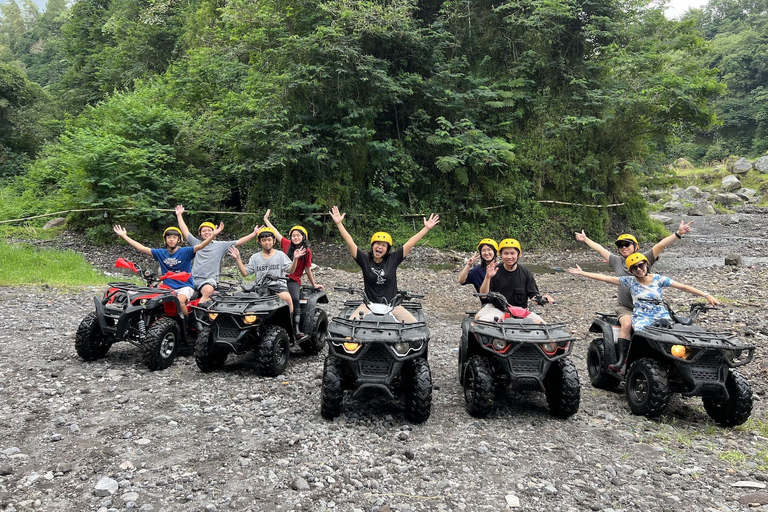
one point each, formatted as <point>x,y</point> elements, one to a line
<point>148,317</point>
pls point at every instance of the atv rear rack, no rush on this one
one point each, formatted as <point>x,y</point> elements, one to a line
<point>525,332</point>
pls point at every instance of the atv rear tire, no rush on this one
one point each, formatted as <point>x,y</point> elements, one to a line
<point>273,351</point>
<point>562,388</point>
<point>332,393</point>
<point>418,391</point>
<point>478,387</point>
<point>647,388</point>
<point>737,408</point>
<point>317,333</point>
<point>208,356</point>
<point>596,365</point>
<point>90,343</point>
<point>161,343</point>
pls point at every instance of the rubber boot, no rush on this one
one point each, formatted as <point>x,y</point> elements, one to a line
<point>621,362</point>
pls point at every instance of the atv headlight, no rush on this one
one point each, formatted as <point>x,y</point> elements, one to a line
<point>351,347</point>
<point>402,348</point>
<point>679,351</point>
<point>732,354</point>
<point>213,316</point>
<point>499,344</point>
<point>143,301</point>
<point>549,348</point>
<point>250,318</point>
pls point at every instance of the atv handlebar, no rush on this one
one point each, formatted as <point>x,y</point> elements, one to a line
<point>502,300</point>
<point>401,295</point>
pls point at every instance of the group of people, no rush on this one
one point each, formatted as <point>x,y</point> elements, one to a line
<point>639,296</point>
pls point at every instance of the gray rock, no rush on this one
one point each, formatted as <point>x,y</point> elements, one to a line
<point>673,206</point>
<point>54,223</point>
<point>130,496</point>
<point>299,484</point>
<point>759,498</point>
<point>746,193</point>
<point>661,218</point>
<point>740,166</point>
<point>734,260</point>
<point>730,183</point>
<point>761,164</point>
<point>6,470</point>
<point>700,209</point>
<point>727,198</point>
<point>11,451</point>
<point>693,192</point>
<point>63,467</point>
<point>105,487</point>
<point>512,501</point>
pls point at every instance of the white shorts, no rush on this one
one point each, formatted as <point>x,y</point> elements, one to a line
<point>489,313</point>
<point>186,291</point>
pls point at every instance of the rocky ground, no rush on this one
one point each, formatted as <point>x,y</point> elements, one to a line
<point>111,435</point>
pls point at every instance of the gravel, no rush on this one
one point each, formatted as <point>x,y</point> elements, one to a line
<point>113,436</point>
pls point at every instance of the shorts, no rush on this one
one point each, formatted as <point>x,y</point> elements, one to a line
<point>622,310</point>
<point>186,291</point>
<point>399,312</point>
<point>199,284</point>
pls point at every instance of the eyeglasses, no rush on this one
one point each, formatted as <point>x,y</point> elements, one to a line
<point>639,266</point>
<point>622,245</point>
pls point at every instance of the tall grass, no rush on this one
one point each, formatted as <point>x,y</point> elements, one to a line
<point>24,265</point>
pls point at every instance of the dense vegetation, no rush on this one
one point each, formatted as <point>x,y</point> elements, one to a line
<point>474,109</point>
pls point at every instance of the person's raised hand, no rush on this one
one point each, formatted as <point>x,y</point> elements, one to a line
<point>266,215</point>
<point>581,237</point>
<point>298,253</point>
<point>337,217</point>
<point>472,259</point>
<point>433,220</point>
<point>120,230</point>
<point>575,271</point>
<point>491,269</point>
<point>234,252</point>
<point>219,229</point>
<point>180,209</point>
<point>684,228</point>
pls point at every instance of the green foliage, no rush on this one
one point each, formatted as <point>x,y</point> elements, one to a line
<point>25,265</point>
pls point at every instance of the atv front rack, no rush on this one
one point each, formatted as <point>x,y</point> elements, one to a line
<point>701,339</point>
<point>523,332</point>
<point>369,331</point>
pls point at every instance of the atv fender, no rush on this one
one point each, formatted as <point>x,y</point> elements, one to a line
<point>605,328</point>
<point>100,315</point>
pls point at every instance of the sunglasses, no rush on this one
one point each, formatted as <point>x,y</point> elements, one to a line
<point>639,266</point>
<point>622,245</point>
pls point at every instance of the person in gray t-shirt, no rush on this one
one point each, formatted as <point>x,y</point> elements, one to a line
<point>269,261</point>
<point>207,263</point>
<point>626,244</point>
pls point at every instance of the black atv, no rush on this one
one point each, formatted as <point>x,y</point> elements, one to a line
<point>675,357</point>
<point>378,353</point>
<point>148,317</point>
<point>516,354</point>
<point>254,319</point>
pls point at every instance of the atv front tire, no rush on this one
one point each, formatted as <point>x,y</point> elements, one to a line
<point>596,365</point>
<point>737,408</point>
<point>208,356</point>
<point>317,333</point>
<point>161,343</point>
<point>273,351</point>
<point>562,388</point>
<point>90,343</point>
<point>647,388</point>
<point>418,392</point>
<point>332,394</point>
<point>478,387</point>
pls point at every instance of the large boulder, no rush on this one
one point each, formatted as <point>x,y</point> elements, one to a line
<point>747,194</point>
<point>700,209</point>
<point>730,183</point>
<point>673,207</point>
<point>734,260</point>
<point>740,166</point>
<point>661,218</point>
<point>682,163</point>
<point>762,164</point>
<point>54,223</point>
<point>727,198</point>
<point>693,192</point>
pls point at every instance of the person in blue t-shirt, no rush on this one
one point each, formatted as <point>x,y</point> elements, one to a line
<point>172,258</point>
<point>487,250</point>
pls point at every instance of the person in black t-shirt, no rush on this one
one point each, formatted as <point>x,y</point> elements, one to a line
<point>379,266</point>
<point>513,281</point>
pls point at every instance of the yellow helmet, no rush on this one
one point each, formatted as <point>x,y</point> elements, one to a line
<point>206,224</point>
<point>264,232</point>
<point>627,238</point>
<point>381,236</point>
<point>173,230</point>
<point>510,242</point>
<point>488,241</point>
<point>300,228</point>
<point>635,258</point>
